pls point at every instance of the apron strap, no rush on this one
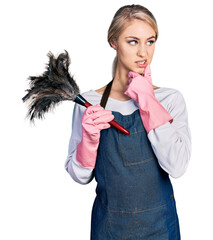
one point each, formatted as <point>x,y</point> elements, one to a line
<point>105,95</point>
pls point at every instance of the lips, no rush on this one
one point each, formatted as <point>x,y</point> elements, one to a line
<point>142,63</point>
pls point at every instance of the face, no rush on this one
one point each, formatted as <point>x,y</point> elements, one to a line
<point>135,45</point>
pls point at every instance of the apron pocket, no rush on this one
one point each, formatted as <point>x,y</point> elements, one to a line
<point>136,147</point>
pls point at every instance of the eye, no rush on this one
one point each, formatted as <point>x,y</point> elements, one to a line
<point>133,42</point>
<point>150,42</point>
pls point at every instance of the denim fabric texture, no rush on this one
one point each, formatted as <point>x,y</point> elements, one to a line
<point>135,199</point>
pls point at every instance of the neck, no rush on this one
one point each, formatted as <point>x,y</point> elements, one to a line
<point>120,81</point>
<point>119,85</point>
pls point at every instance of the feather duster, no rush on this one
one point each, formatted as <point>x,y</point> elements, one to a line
<point>54,86</point>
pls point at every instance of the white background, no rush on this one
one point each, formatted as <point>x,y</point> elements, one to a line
<point>38,198</point>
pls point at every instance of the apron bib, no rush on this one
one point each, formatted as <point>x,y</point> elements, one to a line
<point>135,197</point>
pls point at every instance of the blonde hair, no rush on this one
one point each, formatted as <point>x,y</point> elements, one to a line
<point>123,16</point>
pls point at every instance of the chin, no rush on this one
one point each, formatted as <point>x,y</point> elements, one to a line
<point>139,71</point>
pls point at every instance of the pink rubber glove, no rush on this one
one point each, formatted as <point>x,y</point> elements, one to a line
<point>140,89</point>
<point>94,119</point>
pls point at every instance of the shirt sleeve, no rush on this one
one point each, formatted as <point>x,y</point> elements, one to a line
<point>171,143</point>
<point>76,171</point>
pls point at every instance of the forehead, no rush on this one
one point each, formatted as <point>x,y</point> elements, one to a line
<point>138,28</point>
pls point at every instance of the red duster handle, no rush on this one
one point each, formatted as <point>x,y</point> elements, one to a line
<point>113,123</point>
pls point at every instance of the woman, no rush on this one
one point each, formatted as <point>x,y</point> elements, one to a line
<point>135,197</point>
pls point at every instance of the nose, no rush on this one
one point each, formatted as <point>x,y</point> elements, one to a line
<point>141,51</point>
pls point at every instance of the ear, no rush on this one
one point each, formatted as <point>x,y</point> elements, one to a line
<point>113,43</point>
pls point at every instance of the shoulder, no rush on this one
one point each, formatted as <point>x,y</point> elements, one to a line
<point>170,98</point>
<point>88,93</point>
<point>101,90</point>
<point>92,96</point>
<point>167,93</point>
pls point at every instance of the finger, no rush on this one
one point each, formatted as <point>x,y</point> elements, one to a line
<point>133,74</point>
<point>147,72</point>
<point>93,109</point>
<point>103,119</point>
<point>94,127</point>
<point>101,113</point>
<point>103,126</point>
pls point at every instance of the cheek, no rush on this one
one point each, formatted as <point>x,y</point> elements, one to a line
<point>151,52</point>
<point>126,53</point>
<point>150,56</point>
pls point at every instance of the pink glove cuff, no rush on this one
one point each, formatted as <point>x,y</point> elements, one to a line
<point>86,154</point>
<point>154,117</point>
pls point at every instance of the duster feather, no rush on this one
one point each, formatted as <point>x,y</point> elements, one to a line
<point>52,87</point>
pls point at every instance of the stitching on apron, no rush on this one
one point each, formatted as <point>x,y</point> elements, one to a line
<point>136,210</point>
<point>147,160</point>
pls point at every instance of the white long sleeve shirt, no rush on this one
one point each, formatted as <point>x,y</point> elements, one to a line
<point>171,143</point>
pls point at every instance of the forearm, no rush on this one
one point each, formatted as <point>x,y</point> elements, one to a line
<point>84,141</point>
<point>172,148</point>
<point>76,171</point>
<point>152,112</point>
<point>140,88</point>
<point>172,142</point>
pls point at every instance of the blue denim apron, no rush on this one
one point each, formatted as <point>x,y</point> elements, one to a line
<point>134,194</point>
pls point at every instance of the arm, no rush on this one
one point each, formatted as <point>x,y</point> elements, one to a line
<point>84,141</point>
<point>140,88</point>
<point>167,129</point>
<point>171,143</point>
<point>77,172</point>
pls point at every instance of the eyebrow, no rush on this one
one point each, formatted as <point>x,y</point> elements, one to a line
<point>138,38</point>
